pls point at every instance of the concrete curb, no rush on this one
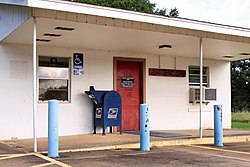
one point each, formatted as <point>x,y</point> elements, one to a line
<point>192,141</point>
<point>196,141</point>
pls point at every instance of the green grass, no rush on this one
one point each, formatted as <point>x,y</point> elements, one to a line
<point>243,116</point>
<point>241,125</point>
<point>241,120</point>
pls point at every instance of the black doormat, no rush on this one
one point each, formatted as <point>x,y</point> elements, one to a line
<point>159,134</point>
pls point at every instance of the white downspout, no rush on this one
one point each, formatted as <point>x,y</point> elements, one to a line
<point>34,83</point>
<point>201,83</point>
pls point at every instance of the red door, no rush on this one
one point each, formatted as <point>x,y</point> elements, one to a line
<point>128,80</point>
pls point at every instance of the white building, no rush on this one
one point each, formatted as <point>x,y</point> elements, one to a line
<point>116,45</point>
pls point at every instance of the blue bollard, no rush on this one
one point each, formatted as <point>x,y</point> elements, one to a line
<point>144,128</point>
<point>53,128</point>
<point>218,130</point>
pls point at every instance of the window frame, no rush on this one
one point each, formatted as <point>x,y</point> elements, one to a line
<point>68,79</point>
<point>205,74</point>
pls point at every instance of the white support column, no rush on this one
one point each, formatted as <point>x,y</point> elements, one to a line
<point>34,83</point>
<point>201,83</point>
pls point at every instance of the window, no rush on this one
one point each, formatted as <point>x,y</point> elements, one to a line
<point>54,80</point>
<point>194,76</point>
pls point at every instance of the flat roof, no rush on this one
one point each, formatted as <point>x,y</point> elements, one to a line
<point>75,7</point>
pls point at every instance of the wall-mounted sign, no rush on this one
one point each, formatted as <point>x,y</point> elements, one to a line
<point>113,112</point>
<point>128,82</point>
<point>78,64</point>
<point>167,72</point>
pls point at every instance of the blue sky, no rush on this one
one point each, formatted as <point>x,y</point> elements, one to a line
<point>230,12</point>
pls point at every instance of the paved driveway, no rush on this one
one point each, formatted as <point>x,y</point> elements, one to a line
<point>232,154</point>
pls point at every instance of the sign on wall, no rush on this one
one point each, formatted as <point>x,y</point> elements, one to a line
<point>128,82</point>
<point>78,64</point>
<point>167,72</point>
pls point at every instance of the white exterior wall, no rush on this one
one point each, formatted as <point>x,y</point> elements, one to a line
<point>168,96</point>
<point>15,92</point>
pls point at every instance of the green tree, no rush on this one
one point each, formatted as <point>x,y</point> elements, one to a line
<point>174,12</point>
<point>144,6</point>
<point>241,85</point>
<point>162,11</point>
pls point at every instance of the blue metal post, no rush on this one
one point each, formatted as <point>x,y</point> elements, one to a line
<point>218,130</point>
<point>144,128</point>
<point>53,128</point>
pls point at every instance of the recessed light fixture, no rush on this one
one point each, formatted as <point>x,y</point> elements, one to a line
<point>244,54</point>
<point>52,35</point>
<point>65,28</point>
<point>228,57</point>
<point>43,40</point>
<point>165,46</point>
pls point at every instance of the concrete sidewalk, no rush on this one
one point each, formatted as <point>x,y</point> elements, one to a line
<point>116,141</point>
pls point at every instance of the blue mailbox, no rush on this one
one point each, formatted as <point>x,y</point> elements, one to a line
<point>107,109</point>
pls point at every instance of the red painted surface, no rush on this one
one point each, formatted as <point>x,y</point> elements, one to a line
<point>130,95</point>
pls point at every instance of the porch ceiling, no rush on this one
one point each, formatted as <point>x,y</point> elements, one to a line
<point>91,36</point>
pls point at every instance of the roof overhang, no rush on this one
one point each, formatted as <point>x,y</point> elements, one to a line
<point>104,28</point>
<point>81,8</point>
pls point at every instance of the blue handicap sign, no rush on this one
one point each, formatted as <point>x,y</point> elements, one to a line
<point>78,64</point>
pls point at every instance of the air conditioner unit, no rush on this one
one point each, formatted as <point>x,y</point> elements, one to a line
<point>208,94</point>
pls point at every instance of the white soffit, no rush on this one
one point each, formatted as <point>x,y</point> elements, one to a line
<point>74,7</point>
<point>91,36</point>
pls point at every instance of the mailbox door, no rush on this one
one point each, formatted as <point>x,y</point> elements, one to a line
<point>112,109</point>
<point>128,80</point>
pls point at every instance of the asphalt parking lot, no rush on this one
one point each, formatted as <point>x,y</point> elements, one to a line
<point>232,154</point>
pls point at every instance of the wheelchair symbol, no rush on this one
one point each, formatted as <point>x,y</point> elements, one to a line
<point>77,60</point>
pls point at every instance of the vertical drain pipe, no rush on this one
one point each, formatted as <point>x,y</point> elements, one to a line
<point>201,83</point>
<point>34,83</point>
